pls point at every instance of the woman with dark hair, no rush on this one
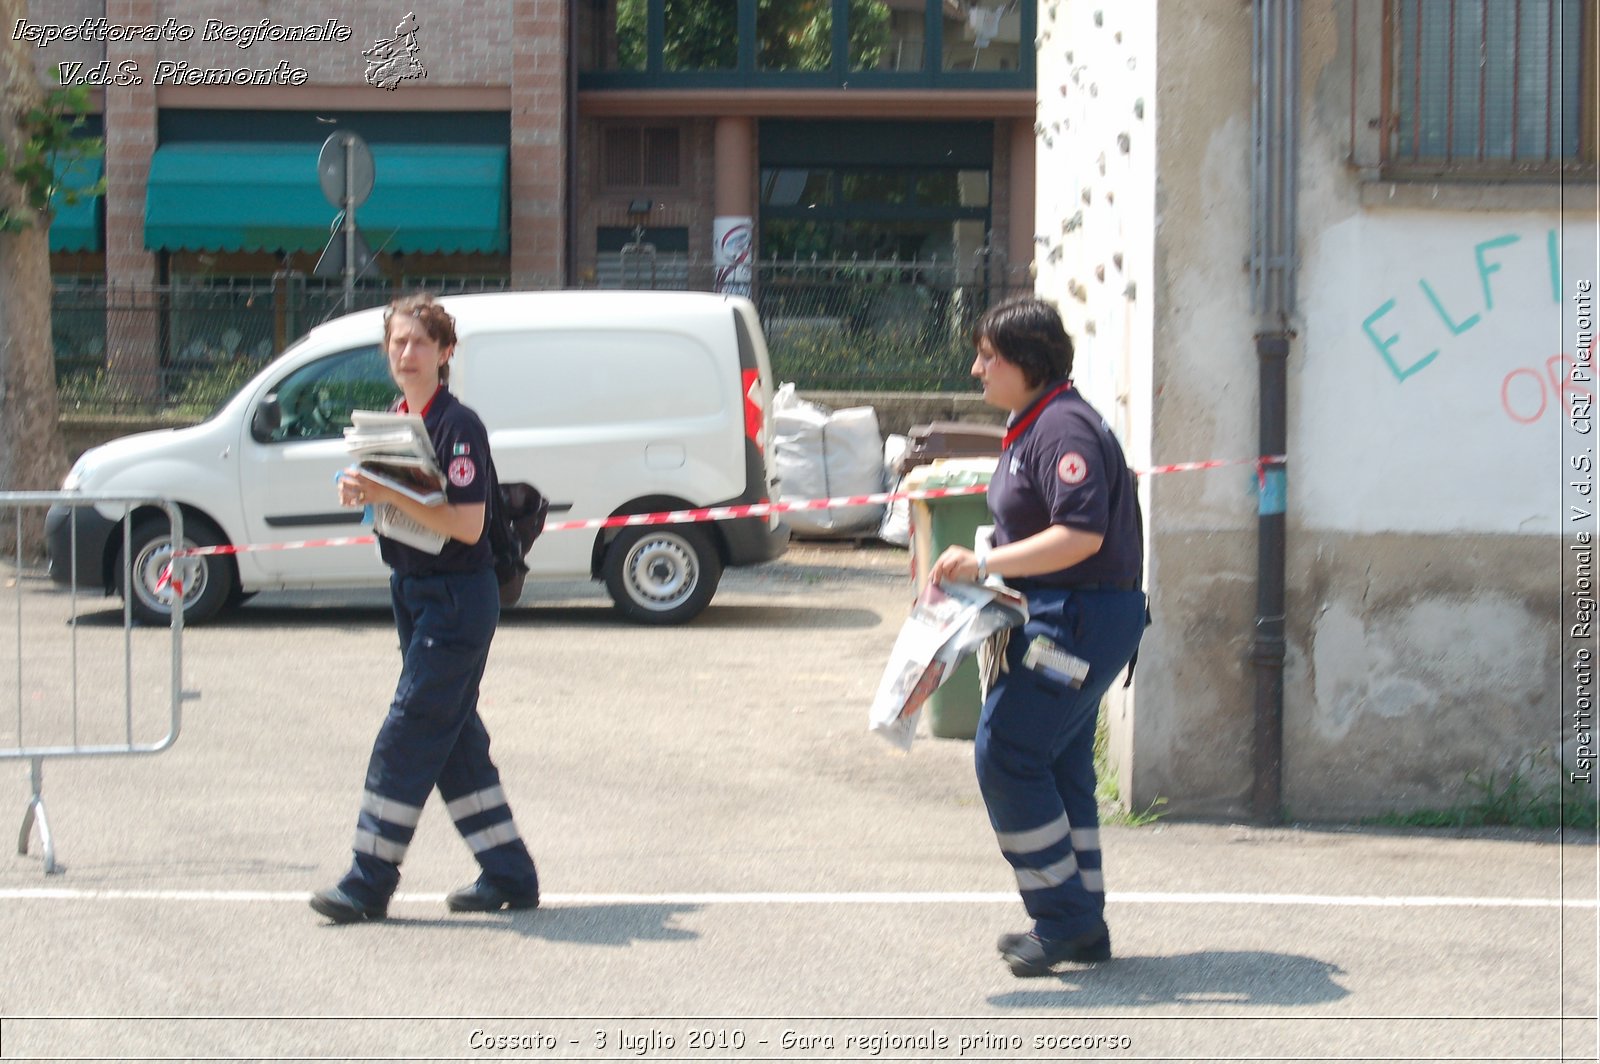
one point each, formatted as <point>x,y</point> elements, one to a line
<point>446,607</point>
<point>1067,536</point>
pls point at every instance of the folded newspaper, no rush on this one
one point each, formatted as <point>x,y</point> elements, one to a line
<point>394,450</point>
<point>948,621</point>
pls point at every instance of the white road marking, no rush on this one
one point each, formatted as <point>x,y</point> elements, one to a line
<point>835,898</point>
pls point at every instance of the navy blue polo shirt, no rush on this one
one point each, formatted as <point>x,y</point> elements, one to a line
<point>461,446</point>
<point>1063,466</point>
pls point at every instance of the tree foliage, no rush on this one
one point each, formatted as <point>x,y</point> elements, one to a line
<point>38,138</point>
<point>49,144</point>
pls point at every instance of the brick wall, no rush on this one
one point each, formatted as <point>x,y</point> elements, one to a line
<point>132,352</point>
<point>48,13</point>
<point>688,206</point>
<point>460,43</point>
<point>537,42</point>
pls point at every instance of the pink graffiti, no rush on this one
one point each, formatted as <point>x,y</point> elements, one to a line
<point>1560,378</point>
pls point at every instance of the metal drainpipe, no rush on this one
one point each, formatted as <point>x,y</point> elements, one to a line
<point>1275,64</point>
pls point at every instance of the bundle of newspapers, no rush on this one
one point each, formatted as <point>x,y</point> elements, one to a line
<point>948,621</point>
<point>394,450</point>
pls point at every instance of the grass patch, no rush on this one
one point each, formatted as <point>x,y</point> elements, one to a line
<point>1514,798</point>
<point>1108,789</point>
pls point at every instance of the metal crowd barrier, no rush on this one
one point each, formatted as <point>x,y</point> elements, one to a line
<point>57,714</point>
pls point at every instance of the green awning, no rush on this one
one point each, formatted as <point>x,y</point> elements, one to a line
<point>76,226</point>
<point>265,197</point>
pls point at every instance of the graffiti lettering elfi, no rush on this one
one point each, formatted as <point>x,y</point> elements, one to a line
<point>1526,392</point>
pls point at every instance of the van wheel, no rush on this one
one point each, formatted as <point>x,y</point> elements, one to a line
<point>662,575</point>
<point>210,586</point>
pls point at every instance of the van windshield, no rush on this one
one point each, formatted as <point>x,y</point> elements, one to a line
<point>315,400</point>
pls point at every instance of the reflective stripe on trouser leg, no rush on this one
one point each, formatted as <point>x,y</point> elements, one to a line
<point>1086,844</point>
<point>1035,757</point>
<point>445,624</point>
<point>1034,829</point>
<point>384,827</point>
<point>469,782</point>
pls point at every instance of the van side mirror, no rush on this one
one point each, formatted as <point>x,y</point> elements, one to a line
<point>268,416</point>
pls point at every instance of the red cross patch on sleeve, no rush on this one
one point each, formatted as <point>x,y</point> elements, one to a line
<point>1072,468</point>
<point>462,471</point>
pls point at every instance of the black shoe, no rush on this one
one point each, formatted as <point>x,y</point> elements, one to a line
<point>1011,941</point>
<point>1031,956</point>
<point>484,897</point>
<point>341,908</point>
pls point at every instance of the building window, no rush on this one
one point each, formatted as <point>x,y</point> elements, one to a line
<point>794,34</point>
<point>812,43</point>
<point>982,36</point>
<point>887,35</point>
<point>611,35</point>
<point>1480,86</point>
<point>699,34</point>
<point>641,157</point>
<point>916,213</point>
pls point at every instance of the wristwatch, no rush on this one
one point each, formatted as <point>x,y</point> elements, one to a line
<point>983,566</point>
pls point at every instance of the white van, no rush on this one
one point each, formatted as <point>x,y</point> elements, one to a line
<point>608,402</point>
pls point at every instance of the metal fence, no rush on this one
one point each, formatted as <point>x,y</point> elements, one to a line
<point>184,348</point>
<point>85,684</point>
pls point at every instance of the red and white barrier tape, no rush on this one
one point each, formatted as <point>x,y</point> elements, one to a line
<point>723,513</point>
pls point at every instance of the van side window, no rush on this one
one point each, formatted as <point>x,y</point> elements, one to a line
<point>314,402</point>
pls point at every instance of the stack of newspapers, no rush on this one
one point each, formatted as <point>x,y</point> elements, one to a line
<point>948,622</point>
<point>394,450</point>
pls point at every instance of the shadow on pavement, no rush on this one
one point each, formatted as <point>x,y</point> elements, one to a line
<point>602,615</point>
<point>1206,978</point>
<point>587,925</point>
<point>306,617</point>
<point>261,617</point>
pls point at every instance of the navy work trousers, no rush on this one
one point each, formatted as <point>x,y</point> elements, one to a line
<point>1035,753</point>
<point>433,736</point>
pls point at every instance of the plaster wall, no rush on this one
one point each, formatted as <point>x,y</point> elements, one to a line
<point>1431,381</point>
<point>1095,224</point>
<point>1432,403</point>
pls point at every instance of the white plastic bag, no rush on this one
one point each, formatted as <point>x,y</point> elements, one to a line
<point>896,524</point>
<point>823,454</point>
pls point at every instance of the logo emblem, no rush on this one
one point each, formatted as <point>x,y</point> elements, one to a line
<point>1072,468</point>
<point>463,472</point>
<point>393,60</point>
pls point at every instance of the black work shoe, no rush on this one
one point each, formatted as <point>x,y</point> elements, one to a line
<point>1031,956</point>
<point>1011,941</point>
<point>341,908</point>
<point>484,897</point>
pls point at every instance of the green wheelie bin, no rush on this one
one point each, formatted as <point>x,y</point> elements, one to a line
<point>953,709</point>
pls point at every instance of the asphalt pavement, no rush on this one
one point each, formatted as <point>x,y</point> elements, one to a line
<point>733,867</point>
